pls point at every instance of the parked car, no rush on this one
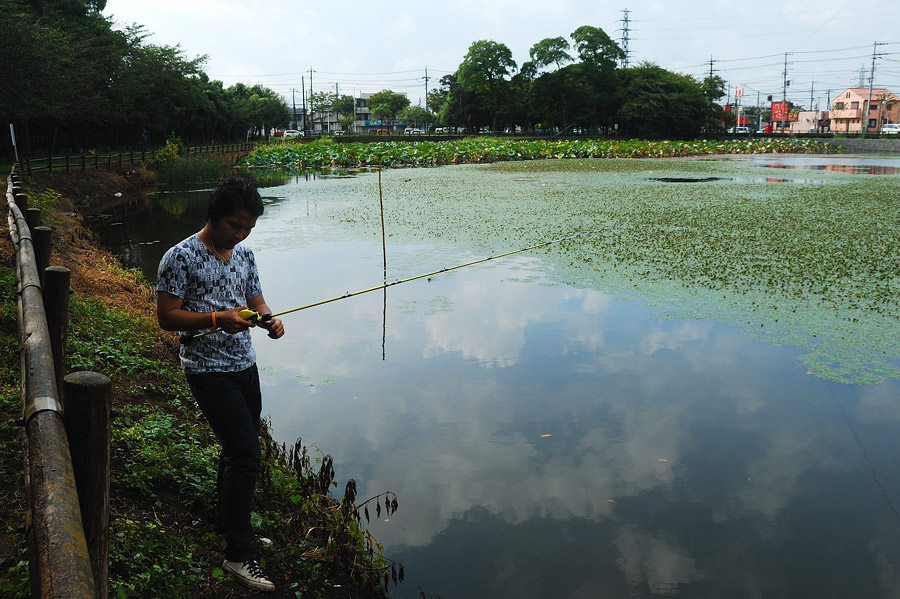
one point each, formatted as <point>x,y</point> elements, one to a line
<point>891,128</point>
<point>416,132</point>
<point>291,133</point>
<point>338,132</point>
<point>739,130</point>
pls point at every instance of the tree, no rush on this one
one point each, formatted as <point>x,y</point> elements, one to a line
<point>322,101</point>
<point>344,104</point>
<point>655,103</point>
<point>386,104</point>
<point>596,48</point>
<point>463,107</point>
<point>552,50</point>
<point>415,115</point>
<point>563,98</point>
<point>716,118</point>
<point>483,71</point>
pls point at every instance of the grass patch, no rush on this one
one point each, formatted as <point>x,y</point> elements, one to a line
<point>190,169</point>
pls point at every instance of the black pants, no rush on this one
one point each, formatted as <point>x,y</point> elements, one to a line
<point>231,403</point>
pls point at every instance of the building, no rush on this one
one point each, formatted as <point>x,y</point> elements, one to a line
<point>852,112</point>
<point>365,124</point>
<point>813,121</point>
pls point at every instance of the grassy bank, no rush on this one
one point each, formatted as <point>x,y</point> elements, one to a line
<point>163,541</point>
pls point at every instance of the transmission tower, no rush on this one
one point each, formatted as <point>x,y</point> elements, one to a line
<point>625,30</point>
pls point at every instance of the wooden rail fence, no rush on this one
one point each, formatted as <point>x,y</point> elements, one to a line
<point>67,436</point>
<point>82,162</point>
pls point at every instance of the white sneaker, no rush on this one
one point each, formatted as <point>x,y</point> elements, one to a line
<point>249,574</point>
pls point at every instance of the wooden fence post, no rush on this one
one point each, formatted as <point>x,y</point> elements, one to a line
<point>21,200</point>
<point>40,237</point>
<point>33,218</point>
<point>56,305</point>
<point>87,397</point>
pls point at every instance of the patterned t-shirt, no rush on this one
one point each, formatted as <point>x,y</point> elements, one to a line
<point>190,271</point>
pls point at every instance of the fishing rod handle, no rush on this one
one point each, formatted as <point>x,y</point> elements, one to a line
<point>263,320</point>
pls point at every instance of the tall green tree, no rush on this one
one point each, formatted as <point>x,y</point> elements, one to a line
<point>596,48</point>
<point>563,98</point>
<point>552,50</point>
<point>658,104</point>
<point>386,104</point>
<point>484,70</point>
<point>463,107</point>
<point>716,118</point>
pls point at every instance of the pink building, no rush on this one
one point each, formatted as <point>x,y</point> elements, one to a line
<point>852,105</point>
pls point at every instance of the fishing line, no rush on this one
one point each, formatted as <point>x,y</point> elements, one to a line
<point>875,477</point>
<point>262,319</point>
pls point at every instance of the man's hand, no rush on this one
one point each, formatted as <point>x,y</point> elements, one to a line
<point>275,327</point>
<point>231,322</point>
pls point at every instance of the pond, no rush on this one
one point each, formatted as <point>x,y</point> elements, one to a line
<point>667,406</point>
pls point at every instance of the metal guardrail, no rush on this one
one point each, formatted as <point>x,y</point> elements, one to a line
<point>59,562</point>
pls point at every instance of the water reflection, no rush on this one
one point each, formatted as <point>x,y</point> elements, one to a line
<point>853,165</point>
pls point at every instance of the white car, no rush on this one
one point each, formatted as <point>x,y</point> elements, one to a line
<point>292,133</point>
<point>739,130</point>
<point>891,128</point>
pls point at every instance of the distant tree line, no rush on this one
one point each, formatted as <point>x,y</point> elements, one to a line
<point>73,83</point>
<point>555,90</point>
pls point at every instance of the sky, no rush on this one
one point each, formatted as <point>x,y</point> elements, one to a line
<point>357,47</point>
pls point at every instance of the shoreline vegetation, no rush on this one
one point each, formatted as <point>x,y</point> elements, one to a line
<point>163,543</point>
<point>325,152</point>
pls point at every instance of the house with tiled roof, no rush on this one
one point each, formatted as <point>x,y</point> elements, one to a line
<point>859,109</point>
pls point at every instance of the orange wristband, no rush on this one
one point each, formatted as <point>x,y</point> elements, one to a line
<point>214,320</point>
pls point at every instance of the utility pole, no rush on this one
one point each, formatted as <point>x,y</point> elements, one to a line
<point>303,89</point>
<point>310,92</point>
<point>784,86</point>
<point>294,106</point>
<point>625,30</point>
<point>426,78</point>
<point>865,115</point>
<point>758,113</point>
<point>812,86</point>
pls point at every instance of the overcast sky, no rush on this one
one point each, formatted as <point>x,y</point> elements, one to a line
<point>356,47</point>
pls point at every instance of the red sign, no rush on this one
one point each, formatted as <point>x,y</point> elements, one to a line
<point>780,111</point>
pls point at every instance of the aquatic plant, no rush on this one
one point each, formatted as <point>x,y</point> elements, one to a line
<point>489,149</point>
<point>808,264</point>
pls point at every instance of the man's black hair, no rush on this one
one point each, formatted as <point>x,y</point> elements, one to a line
<point>231,194</point>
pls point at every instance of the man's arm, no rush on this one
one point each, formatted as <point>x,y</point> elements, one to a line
<point>172,317</point>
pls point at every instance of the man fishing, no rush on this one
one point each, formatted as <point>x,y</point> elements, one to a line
<point>204,282</point>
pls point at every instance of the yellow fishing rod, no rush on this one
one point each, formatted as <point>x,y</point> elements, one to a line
<point>262,319</point>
